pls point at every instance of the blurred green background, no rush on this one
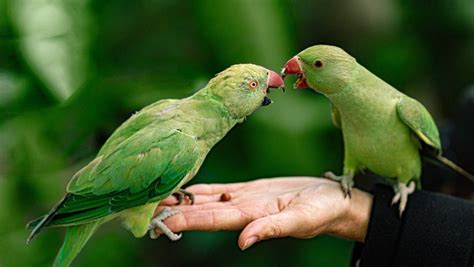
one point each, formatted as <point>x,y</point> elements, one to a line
<point>71,71</point>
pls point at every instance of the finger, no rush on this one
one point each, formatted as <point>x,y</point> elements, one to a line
<point>169,201</point>
<point>205,206</point>
<point>277,225</point>
<point>210,189</point>
<point>203,199</point>
<point>183,208</point>
<point>208,220</point>
<point>198,200</point>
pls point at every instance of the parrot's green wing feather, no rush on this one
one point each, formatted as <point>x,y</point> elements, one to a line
<point>419,120</point>
<point>138,121</point>
<point>144,169</point>
<point>335,116</point>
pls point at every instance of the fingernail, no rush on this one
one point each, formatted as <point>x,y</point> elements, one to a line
<point>249,242</point>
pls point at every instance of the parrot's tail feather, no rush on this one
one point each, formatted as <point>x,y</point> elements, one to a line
<point>75,239</point>
<point>39,223</point>
<point>32,224</point>
<point>37,226</point>
<point>454,167</point>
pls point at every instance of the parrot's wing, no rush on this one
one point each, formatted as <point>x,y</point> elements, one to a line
<point>145,168</point>
<point>335,116</point>
<point>418,119</point>
<point>138,121</point>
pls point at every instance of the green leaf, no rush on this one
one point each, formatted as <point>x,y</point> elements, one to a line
<point>53,39</point>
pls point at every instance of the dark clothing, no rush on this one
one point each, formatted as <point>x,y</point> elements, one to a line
<point>435,230</point>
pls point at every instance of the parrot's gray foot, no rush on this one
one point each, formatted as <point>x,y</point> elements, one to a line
<point>347,181</point>
<point>181,194</point>
<point>401,194</point>
<point>157,222</point>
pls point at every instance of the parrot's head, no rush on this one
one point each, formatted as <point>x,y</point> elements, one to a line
<point>324,68</point>
<point>243,88</point>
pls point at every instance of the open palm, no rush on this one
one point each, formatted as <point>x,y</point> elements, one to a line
<point>301,207</point>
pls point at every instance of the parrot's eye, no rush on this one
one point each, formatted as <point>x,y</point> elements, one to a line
<point>318,63</point>
<point>253,84</point>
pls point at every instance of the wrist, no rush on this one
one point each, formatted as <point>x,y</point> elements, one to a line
<point>354,222</point>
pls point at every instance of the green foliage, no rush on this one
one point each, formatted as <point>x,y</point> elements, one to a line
<point>72,71</point>
<point>53,37</point>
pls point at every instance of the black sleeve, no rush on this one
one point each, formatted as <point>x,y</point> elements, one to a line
<point>435,230</point>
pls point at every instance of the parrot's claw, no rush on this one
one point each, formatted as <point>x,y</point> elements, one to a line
<point>181,194</point>
<point>401,195</point>
<point>347,182</point>
<point>157,222</point>
<point>330,175</point>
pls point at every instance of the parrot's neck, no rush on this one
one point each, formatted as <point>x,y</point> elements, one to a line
<point>215,116</point>
<point>218,103</point>
<point>365,89</point>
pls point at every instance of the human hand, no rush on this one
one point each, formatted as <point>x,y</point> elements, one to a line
<point>300,207</point>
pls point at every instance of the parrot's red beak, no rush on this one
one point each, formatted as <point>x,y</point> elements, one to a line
<point>274,80</point>
<point>293,67</point>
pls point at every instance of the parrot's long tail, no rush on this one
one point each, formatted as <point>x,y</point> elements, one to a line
<point>76,238</point>
<point>38,224</point>
<point>454,167</point>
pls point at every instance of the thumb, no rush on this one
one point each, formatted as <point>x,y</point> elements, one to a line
<point>272,226</point>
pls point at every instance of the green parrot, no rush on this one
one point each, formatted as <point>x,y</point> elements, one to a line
<point>384,130</point>
<point>151,156</point>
